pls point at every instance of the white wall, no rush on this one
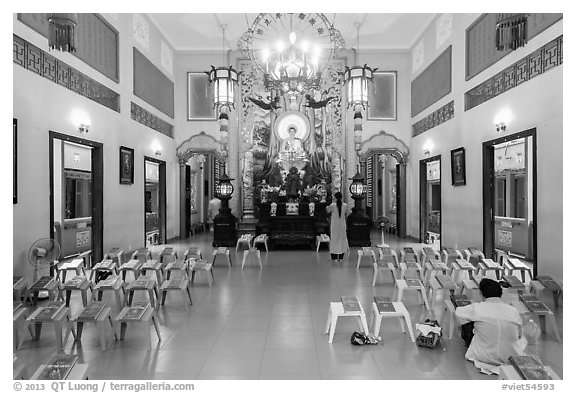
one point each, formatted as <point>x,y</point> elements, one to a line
<point>41,105</point>
<point>534,104</point>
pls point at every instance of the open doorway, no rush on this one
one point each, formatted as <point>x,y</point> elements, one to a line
<point>76,196</point>
<point>431,202</point>
<point>384,192</point>
<point>509,172</point>
<point>154,201</point>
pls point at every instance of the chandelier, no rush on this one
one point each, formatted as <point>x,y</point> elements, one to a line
<point>291,49</point>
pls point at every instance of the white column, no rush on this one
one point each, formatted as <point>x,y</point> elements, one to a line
<point>382,159</point>
<point>201,161</point>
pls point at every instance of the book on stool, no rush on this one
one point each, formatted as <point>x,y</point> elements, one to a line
<point>92,311</point>
<point>533,304</point>
<point>384,304</point>
<point>58,367</point>
<point>48,311</point>
<point>529,367</point>
<point>460,300</point>
<point>135,312</point>
<point>350,304</point>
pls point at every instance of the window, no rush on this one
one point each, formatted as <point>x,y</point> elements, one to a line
<point>519,197</point>
<point>500,196</point>
<point>78,194</point>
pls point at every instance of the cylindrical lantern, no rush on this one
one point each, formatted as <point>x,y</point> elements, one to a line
<point>224,80</point>
<point>62,32</point>
<point>224,189</point>
<point>356,79</point>
<point>357,187</point>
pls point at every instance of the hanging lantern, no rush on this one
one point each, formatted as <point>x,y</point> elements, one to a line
<point>357,79</point>
<point>62,32</point>
<point>224,80</point>
<point>511,31</point>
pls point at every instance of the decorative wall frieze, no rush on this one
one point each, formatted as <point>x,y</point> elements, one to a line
<point>142,116</point>
<point>536,63</point>
<point>434,119</point>
<point>41,63</point>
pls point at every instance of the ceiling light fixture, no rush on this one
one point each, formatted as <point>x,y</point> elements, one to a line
<point>62,32</point>
<point>279,45</point>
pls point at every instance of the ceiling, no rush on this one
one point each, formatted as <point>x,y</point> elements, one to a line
<point>203,32</point>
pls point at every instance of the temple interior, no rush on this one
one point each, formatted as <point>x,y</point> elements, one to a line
<point>181,173</point>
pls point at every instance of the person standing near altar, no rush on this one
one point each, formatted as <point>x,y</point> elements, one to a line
<point>338,211</point>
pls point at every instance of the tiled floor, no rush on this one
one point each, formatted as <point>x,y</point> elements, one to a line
<point>269,324</point>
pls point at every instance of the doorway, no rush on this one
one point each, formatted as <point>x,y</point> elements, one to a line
<point>76,195</point>
<point>509,193</point>
<point>431,202</point>
<point>154,201</point>
<point>383,178</point>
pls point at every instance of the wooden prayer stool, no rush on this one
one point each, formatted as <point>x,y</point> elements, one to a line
<point>322,239</point>
<point>193,252</point>
<point>155,266</point>
<point>401,313</point>
<point>52,287</point>
<point>513,264</point>
<point>168,255</point>
<point>470,289</point>
<point>543,317</point>
<point>381,266</point>
<point>146,285</point>
<point>76,264</point>
<point>221,251</point>
<point>262,239</point>
<point>60,323</point>
<point>19,288</point>
<point>83,285</point>
<point>148,319</point>
<point>508,372</point>
<point>450,312</point>
<point>133,266</point>
<point>142,254</point>
<point>117,287</point>
<point>402,286</point>
<point>409,256</point>
<point>335,311</point>
<point>177,266</point>
<point>251,252</point>
<point>116,254</point>
<point>176,284</point>
<point>19,321</point>
<point>87,257</point>
<point>448,287</point>
<point>385,252</point>
<point>432,267</point>
<point>106,265</point>
<point>79,372</point>
<point>473,256</point>
<point>245,239</point>
<point>366,252</point>
<point>486,265</point>
<point>102,320</point>
<point>410,267</point>
<point>461,266</point>
<point>428,254</point>
<point>541,285</point>
<point>200,265</point>
<point>449,255</point>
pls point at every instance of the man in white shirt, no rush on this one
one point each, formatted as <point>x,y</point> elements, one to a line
<point>497,329</point>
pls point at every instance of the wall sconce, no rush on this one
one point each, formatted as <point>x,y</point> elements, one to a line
<point>156,148</point>
<point>84,127</point>
<point>158,153</point>
<point>500,127</point>
<point>427,148</point>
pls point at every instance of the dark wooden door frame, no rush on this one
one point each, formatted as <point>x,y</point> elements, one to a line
<point>97,189</point>
<point>161,198</point>
<point>488,192</point>
<point>422,195</point>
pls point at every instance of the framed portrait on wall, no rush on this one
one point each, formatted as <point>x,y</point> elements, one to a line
<point>200,97</point>
<point>14,160</point>
<point>126,165</point>
<point>458,164</point>
<point>382,96</point>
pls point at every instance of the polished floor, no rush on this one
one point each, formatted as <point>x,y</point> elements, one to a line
<point>269,324</point>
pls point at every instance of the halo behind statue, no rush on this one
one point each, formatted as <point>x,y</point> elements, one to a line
<point>295,119</point>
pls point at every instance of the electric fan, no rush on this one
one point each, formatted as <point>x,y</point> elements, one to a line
<point>383,222</point>
<point>44,253</point>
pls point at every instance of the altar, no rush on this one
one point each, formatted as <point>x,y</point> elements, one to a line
<point>292,230</point>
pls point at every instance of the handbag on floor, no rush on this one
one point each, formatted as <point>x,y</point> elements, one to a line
<point>429,334</point>
<point>359,338</point>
